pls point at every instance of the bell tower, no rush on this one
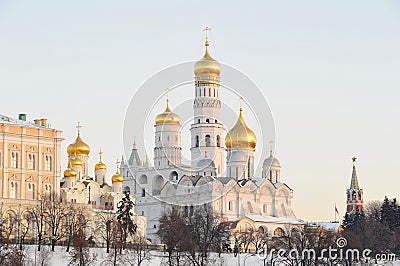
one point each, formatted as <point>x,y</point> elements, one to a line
<point>207,129</point>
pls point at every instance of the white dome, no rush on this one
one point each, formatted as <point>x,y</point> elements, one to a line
<point>205,163</point>
<point>271,161</point>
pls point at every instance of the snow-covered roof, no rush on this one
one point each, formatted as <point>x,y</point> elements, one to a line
<point>13,121</point>
<point>272,219</point>
<point>330,226</point>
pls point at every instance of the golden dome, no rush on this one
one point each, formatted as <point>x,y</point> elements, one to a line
<point>100,165</point>
<point>75,161</point>
<point>207,66</point>
<point>117,177</point>
<point>168,117</point>
<point>240,136</point>
<point>70,172</point>
<point>78,147</point>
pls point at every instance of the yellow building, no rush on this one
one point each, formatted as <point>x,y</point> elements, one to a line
<point>29,160</point>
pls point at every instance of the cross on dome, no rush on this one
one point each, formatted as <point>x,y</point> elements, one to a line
<point>206,29</point>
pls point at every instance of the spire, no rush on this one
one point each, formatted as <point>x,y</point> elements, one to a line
<point>167,109</point>
<point>134,143</point>
<point>270,148</point>
<point>134,159</point>
<point>354,179</point>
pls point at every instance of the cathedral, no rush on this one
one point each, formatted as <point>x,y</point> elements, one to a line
<point>221,175</point>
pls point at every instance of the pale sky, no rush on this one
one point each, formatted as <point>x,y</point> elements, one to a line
<point>329,71</point>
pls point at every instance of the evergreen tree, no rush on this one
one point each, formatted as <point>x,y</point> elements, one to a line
<point>124,217</point>
<point>385,212</point>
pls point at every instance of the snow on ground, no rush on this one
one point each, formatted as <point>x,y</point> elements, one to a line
<point>61,258</point>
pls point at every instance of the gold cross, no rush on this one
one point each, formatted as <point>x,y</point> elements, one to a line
<point>240,101</point>
<point>100,153</point>
<point>79,127</point>
<point>206,29</point>
<point>117,163</point>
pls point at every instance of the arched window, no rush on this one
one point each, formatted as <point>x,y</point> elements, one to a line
<point>197,141</point>
<point>208,141</point>
<point>33,191</point>
<point>16,160</point>
<point>279,232</point>
<point>50,163</point>
<point>207,120</point>
<point>218,141</point>
<point>209,92</point>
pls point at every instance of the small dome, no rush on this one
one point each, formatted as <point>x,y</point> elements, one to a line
<point>207,66</point>
<point>70,173</point>
<point>205,163</point>
<point>240,136</point>
<point>167,117</point>
<point>78,147</point>
<point>117,178</point>
<point>271,161</point>
<point>100,165</point>
<point>75,161</point>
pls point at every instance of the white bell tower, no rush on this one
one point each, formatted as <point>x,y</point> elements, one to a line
<point>207,129</point>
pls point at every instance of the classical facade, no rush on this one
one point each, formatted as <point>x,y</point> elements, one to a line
<point>29,161</point>
<point>354,194</point>
<point>221,175</point>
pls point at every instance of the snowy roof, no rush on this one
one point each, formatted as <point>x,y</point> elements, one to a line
<point>330,226</point>
<point>272,219</point>
<point>18,122</point>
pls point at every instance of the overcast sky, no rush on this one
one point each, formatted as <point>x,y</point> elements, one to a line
<point>329,71</point>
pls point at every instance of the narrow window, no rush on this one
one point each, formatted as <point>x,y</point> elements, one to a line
<point>197,141</point>
<point>208,141</point>
<point>218,141</point>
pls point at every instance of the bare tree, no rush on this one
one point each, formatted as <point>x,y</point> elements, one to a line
<point>104,227</point>
<point>173,233</point>
<point>25,227</point>
<point>38,214</point>
<point>57,212</point>
<point>205,234</point>
<point>80,254</point>
<point>136,253</point>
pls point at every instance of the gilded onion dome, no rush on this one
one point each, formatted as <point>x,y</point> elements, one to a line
<point>207,66</point>
<point>70,172</point>
<point>117,177</point>
<point>75,161</point>
<point>240,136</point>
<point>167,117</point>
<point>100,165</point>
<point>78,147</point>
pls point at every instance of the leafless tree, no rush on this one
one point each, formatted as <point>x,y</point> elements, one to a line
<point>57,212</point>
<point>136,253</point>
<point>173,234</point>
<point>205,234</point>
<point>104,227</point>
<point>25,228</point>
<point>38,214</point>
<point>80,254</point>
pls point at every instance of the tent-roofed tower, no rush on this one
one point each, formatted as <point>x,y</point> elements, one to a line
<point>355,196</point>
<point>207,129</point>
